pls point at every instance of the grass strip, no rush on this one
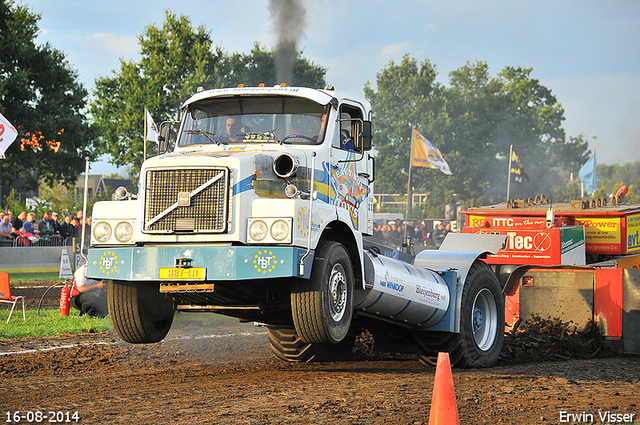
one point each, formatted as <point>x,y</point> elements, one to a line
<point>49,323</point>
<point>16,278</point>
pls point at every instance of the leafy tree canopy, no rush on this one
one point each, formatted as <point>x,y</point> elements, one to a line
<point>612,177</point>
<point>41,97</point>
<point>176,59</point>
<point>473,122</point>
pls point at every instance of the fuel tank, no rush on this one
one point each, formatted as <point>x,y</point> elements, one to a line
<point>402,292</point>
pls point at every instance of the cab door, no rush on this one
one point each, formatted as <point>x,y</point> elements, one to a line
<point>351,170</point>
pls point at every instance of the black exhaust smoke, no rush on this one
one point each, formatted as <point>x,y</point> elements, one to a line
<point>289,20</point>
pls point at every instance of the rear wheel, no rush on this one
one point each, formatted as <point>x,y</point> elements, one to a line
<point>322,307</point>
<point>287,345</point>
<point>479,342</point>
<point>139,312</point>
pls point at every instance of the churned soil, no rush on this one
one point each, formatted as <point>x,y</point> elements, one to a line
<point>225,373</point>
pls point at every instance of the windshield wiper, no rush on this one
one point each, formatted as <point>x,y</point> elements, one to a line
<point>208,135</point>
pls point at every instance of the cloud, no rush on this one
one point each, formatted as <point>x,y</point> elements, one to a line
<point>114,45</point>
<point>99,52</point>
<point>430,28</point>
<point>395,50</point>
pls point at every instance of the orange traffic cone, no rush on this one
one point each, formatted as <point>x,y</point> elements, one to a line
<point>444,409</point>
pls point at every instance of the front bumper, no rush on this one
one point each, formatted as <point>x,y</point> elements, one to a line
<point>221,262</point>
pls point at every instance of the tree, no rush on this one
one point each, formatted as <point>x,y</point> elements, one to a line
<point>473,123</point>
<point>176,60</point>
<point>259,67</point>
<point>41,97</point>
<point>612,177</point>
<point>407,96</point>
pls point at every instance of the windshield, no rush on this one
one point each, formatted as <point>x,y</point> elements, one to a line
<point>263,119</point>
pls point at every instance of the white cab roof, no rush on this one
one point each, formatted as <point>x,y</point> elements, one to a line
<point>322,97</point>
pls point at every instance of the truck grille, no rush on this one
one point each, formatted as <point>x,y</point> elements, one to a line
<point>186,200</point>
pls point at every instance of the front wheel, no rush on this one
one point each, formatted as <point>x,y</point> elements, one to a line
<point>481,336</point>
<point>322,307</point>
<point>139,312</point>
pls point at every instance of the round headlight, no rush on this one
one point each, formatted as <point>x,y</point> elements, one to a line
<point>123,231</point>
<point>102,231</point>
<point>279,230</point>
<point>258,230</point>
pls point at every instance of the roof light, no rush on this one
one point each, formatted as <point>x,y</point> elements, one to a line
<point>283,84</point>
<point>261,85</point>
<point>240,86</point>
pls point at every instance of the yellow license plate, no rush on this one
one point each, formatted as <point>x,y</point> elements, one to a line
<point>178,273</point>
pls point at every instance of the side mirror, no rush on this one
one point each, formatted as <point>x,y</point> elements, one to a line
<point>363,135</point>
<point>367,135</point>
<point>165,134</point>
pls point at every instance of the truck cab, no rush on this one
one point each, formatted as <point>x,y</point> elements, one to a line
<point>257,179</point>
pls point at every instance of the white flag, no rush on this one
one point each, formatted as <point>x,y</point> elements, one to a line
<point>8,134</point>
<point>152,129</point>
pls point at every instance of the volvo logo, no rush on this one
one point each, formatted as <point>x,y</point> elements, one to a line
<point>184,199</point>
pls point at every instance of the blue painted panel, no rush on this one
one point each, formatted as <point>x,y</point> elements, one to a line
<point>447,323</point>
<point>222,263</point>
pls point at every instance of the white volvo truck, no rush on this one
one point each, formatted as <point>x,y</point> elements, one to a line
<point>263,211</point>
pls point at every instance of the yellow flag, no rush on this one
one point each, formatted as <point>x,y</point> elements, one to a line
<point>425,154</point>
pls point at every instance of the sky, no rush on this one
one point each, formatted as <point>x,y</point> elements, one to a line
<point>586,52</point>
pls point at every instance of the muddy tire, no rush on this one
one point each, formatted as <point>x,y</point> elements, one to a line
<point>322,307</point>
<point>287,345</point>
<point>481,336</point>
<point>139,312</point>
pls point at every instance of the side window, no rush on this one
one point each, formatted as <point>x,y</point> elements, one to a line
<point>349,115</point>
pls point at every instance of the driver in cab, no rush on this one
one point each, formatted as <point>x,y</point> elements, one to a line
<point>234,129</point>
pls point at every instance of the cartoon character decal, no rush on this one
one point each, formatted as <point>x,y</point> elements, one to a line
<point>346,190</point>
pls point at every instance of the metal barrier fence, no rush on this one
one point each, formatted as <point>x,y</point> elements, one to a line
<point>45,241</point>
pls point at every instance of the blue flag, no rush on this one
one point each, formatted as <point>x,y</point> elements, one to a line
<point>590,182</point>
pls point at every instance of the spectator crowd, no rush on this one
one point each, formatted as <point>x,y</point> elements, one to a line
<point>24,230</point>
<point>393,233</point>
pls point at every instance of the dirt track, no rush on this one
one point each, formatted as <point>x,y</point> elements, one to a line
<point>227,374</point>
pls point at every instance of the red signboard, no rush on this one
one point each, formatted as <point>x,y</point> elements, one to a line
<point>507,222</point>
<point>611,231</point>
<point>546,247</point>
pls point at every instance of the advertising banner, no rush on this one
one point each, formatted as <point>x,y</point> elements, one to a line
<point>633,233</point>
<point>502,221</point>
<point>547,247</point>
<point>603,234</point>
<point>572,246</point>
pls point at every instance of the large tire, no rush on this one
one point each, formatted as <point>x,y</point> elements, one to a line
<point>481,336</point>
<point>139,312</point>
<point>322,307</point>
<point>287,345</point>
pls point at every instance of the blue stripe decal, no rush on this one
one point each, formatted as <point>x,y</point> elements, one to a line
<point>324,198</point>
<point>405,307</point>
<point>244,185</point>
<point>434,313</point>
<point>377,299</point>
